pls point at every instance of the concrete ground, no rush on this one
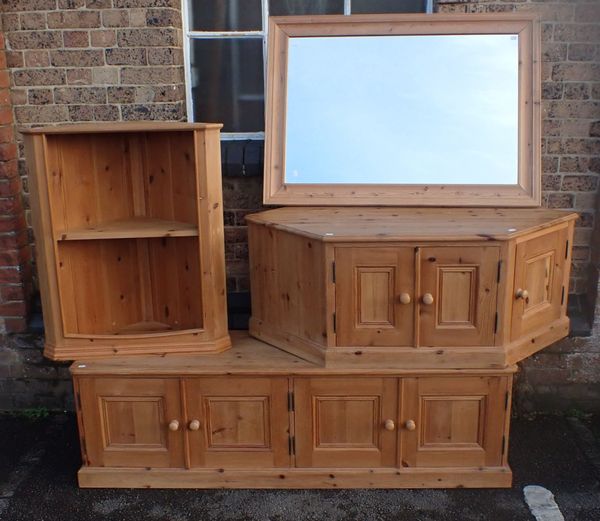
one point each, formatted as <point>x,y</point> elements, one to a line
<point>39,460</point>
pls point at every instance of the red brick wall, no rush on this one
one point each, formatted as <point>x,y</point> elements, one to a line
<point>98,60</point>
<point>15,252</point>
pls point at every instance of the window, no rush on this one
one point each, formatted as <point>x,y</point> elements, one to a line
<point>225,54</point>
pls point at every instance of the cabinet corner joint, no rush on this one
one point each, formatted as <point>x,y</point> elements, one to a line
<point>567,249</point>
<point>291,402</point>
<point>292,445</point>
<point>499,271</point>
<point>333,272</point>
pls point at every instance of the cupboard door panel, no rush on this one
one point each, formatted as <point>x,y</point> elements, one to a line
<point>458,422</point>
<point>369,286</point>
<point>340,422</point>
<point>458,287</point>
<point>126,422</point>
<point>241,422</point>
<point>539,270</point>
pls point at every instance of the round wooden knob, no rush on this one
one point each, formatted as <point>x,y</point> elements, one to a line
<point>428,299</point>
<point>405,298</point>
<point>194,425</point>
<point>174,425</point>
<point>410,425</point>
<point>389,425</point>
<point>522,293</point>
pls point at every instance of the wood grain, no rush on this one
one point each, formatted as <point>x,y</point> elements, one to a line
<point>95,477</point>
<point>410,224</point>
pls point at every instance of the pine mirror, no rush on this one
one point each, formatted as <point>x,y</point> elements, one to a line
<point>411,110</point>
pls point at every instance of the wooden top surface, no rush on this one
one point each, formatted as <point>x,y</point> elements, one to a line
<point>120,126</point>
<point>247,356</point>
<point>340,224</point>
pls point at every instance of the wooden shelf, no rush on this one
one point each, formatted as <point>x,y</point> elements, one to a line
<point>134,228</point>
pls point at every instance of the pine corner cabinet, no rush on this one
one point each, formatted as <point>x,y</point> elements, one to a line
<point>257,417</point>
<point>128,224</point>
<point>410,287</point>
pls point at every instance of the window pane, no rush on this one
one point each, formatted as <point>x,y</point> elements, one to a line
<point>388,6</point>
<point>225,15</point>
<point>290,7</point>
<point>227,83</point>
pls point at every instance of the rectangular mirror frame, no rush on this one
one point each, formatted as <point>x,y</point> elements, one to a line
<point>526,193</point>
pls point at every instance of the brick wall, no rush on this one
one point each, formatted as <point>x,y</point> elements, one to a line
<point>15,252</point>
<point>98,60</point>
<point>94,60</point>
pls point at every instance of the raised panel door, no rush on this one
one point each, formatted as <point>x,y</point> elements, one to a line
<point>538,293</point>
<point>131,422</point>
<point>341,422</point>
<point>374,292</point>
<point>457,295</point>
<point>237,422</point>
<point>453,422</point>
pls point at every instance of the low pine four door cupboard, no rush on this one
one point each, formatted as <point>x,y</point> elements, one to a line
<point>257,417</point>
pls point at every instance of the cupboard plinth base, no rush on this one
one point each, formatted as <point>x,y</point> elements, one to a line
<point>371,357</point>
<point>493,477</point>
<point>103,348</point>
<point>543,337</point>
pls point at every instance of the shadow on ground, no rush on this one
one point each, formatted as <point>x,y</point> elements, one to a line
<point>544,451</point>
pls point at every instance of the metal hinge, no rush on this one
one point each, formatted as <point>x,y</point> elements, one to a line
<point>499,270</point>
<point>291,402</point>
<point>334,323</point>
<point>292,445</point>
<point>562,296</point>
<point>333,271</point>
<point>496,323</point>
<point>567,250</point>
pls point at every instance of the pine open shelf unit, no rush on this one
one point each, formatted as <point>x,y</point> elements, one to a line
<point>129,224</point>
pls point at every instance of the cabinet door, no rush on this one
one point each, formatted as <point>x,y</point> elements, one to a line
<point>341,422</point>
<point>453,421</point>
<point>457,304</point>
<point>126,422</point>
<point>539,270</point>
<point>371,289</point>
<point>239,422</point>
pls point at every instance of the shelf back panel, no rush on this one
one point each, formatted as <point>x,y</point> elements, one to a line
<point>123,286</point>
<point>99,178</point>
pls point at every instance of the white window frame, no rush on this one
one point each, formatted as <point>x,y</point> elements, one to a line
<point>190,35</point>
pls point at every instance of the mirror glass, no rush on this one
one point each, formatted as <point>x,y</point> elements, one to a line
<point>416,109</point>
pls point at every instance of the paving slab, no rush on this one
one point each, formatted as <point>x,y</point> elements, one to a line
<point>544,452</point>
